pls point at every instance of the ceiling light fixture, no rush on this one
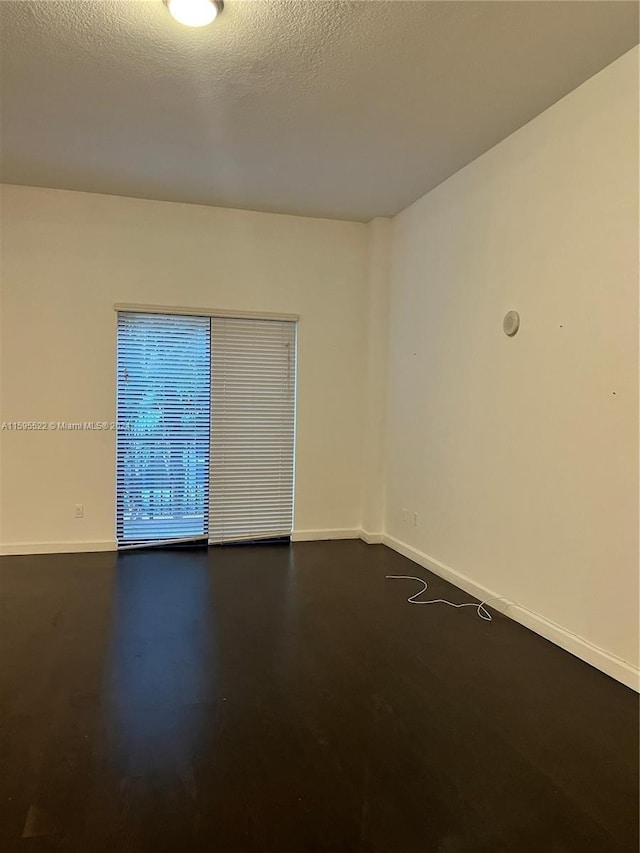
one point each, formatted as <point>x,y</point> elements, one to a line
<point>194,13</point>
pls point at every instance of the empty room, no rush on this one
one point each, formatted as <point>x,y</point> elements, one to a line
<point>319,434</point>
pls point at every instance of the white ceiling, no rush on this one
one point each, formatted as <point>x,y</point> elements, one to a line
<point>339,109</point>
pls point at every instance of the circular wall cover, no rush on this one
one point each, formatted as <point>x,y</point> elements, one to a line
<point>511,323</point>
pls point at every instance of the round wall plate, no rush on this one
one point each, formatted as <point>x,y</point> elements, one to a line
<point>511,323</point>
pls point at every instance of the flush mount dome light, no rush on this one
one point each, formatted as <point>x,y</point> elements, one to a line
<point>194,13</point>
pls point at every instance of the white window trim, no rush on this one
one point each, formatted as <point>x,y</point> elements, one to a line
<point>204,312</point>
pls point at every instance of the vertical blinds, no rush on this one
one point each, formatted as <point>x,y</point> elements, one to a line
<point>206,422</point>
<point>253,366</point>
<point>163,426</point>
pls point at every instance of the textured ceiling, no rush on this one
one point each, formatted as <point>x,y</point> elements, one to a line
<point>348,110</point>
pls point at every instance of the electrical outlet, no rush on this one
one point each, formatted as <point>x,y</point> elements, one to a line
<point>415,519</point>
<point>405,514</point>
<point>78,511</point>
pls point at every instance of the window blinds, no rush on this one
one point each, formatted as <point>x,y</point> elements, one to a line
<point>206,422</point>
<point>163,388</point>
<point>253,367</point>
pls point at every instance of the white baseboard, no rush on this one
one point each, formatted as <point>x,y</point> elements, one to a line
<point>19,548</point>
<point>24,548</point>
<point>608,663</point>
<point>612,665</point>
<point>318,535</point>
<point>371,538</point>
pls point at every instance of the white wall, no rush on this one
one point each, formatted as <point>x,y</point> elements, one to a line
<point>68,257</point>
<point>520,455</point>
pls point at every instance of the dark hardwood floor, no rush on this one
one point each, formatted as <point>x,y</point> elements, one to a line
<point>283,699</point>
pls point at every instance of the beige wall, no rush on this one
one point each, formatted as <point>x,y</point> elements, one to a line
<point>520,455</point>
<point>68,257</point>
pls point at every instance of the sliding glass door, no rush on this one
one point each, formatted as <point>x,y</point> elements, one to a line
<point>253,367</point>
<point>206,422</point>
<point>163,427</point>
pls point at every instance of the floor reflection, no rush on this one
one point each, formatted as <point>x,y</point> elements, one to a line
<point>161,672</point>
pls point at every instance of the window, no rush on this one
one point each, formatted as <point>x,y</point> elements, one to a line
<point>206,417</point>
<point>252,428</point>
<point>163,427</point>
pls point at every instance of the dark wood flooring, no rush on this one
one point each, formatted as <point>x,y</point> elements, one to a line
<point>283,699</point>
